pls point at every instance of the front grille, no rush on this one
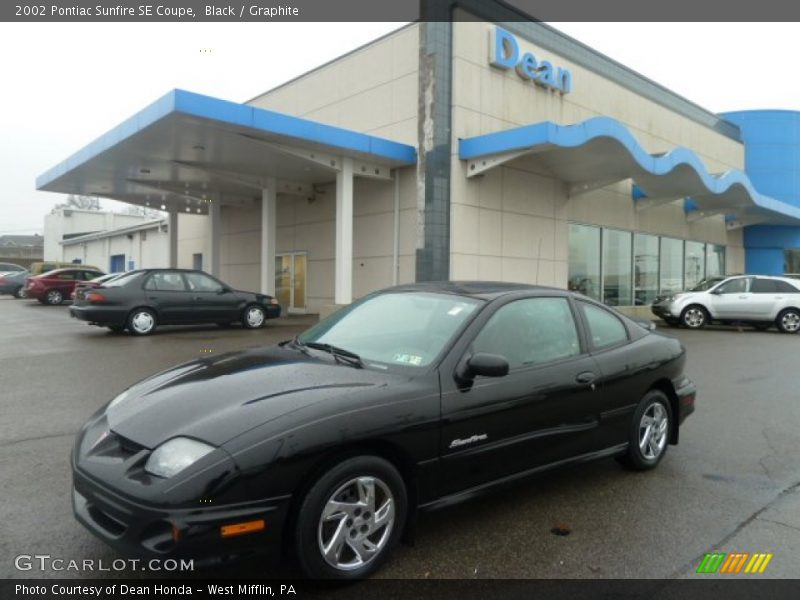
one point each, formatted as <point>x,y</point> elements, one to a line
<point>112,525</point>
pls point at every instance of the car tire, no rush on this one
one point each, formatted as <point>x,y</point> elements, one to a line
<point>19,293</point>
<point>53,297</point>
<point>253,317</point>
<point>788,321</point>
<point>694,317</point>
<point>142,321</point>
<point>646,447</point>
<point>356,511</point>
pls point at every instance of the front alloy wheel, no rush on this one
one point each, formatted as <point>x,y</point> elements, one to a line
<point>789,321</point>
<point>350,519</point>
<point>54,297</point>
<point>694,317</point>
<point>650,431</point>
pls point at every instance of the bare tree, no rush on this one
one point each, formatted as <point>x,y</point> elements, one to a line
<point>80,202</point>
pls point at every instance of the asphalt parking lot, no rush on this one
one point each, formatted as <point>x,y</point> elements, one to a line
<point>733,483</point>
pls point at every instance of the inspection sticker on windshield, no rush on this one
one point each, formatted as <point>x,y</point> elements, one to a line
<point>409,359</point>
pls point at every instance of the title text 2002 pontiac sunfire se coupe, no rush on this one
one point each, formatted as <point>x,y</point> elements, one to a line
<point>410,398</point>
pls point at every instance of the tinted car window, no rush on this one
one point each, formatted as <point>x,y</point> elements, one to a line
<point>530,331</point>
<point>735,286</point>
<point>605,329</point>
<point>784,287</point>
<point>763,286</point>
<point>125,280</point>
<point>200,282</point>
<point>66,275</point>
<point>166,282</point>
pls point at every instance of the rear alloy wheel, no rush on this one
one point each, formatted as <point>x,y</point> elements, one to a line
<point>53,297</point>
<point>694,317</point>
<point>351,519</point>
<point>254,317</point>
<point>650,431</point>
<point>142,321</point>
<point>789,321</point>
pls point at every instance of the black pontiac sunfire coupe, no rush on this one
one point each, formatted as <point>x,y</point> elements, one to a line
<point>408,399</point>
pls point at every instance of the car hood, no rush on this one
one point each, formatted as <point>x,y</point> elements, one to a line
<point>217,399</point>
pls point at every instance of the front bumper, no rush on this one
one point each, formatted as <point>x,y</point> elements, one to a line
<point>138,530</point>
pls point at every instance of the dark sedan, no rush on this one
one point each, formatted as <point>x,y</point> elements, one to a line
<point>139,301</point>
<point>409,399</point>
<point>13,283</point>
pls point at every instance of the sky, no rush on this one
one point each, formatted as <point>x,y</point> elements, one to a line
<point>66,84</point>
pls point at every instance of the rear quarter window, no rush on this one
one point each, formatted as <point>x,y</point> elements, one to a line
<point>604,327</point>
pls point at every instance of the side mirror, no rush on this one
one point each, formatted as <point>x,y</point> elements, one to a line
<point>646,323</point>
<point>487,365</point>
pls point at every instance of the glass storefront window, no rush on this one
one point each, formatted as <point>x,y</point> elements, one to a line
<point>617,276</point>
<point>671,261</point>
<point>791,260</point>
<point>584,260</point>
<point>715,260</point>
<point>694,264</point>
<point>645,268</point>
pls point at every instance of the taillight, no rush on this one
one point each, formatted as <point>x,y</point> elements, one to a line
<point>95,297</point>
<point>2,279</point>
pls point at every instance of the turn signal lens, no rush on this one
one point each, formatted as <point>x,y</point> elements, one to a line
<point>95,297</point>
<point>242,528</point>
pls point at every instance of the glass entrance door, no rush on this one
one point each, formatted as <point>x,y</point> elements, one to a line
<point>290,282</point>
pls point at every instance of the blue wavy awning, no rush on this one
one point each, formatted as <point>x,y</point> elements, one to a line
<point>601,150</point>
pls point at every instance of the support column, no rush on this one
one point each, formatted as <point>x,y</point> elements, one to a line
<point>215,230</point>
<point>269,232</point>
<point>172,231</point>
<point>343,286</point>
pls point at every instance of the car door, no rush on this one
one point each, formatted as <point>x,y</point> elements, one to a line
<point>167,293</point>
<point>212,300</point>
<point>542,411</point>
<point>764,299</point>
<point>64,282</point>
<point>729,300</point>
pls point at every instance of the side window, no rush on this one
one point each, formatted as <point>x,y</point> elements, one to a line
<point>735,286</point>
<point>199,282</point>
<point>784,287</point>
<point>530,331</point>
<point>763,286</point>
<point>66,276</point>
<point>605,328</point>
<point>166,282</point>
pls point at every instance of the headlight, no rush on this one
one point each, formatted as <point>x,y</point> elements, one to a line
<point>117,400</point>
<point>172,457</point>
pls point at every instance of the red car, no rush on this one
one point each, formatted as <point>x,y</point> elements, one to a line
<point>55,286</point>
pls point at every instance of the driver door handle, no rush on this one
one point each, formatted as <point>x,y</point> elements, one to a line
<point>587,377</point>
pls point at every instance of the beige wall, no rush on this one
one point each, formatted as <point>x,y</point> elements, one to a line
<point>240,247</point>
<point>309,226</point>
<point>193,238</point>
<point>372,90</point>
<point>511,224</point>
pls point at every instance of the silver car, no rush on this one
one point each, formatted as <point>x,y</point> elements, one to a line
<point>757,300</point>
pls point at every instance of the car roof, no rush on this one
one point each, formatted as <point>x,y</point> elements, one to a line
<point>486,290</point>
<point>78,268</point>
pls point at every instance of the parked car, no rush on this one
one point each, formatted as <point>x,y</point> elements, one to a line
<point>56,286</point>
<point>409,399</point>
<point>13,283</point>
<point>756,300</point>
<point>38,268</point>
<point>141,300</point>
<point>82,286</point>
<point>11,267</point>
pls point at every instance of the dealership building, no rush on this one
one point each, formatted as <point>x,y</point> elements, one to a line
<point>486,147</point>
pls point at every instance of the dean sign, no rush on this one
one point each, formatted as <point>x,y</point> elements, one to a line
<point>504,53</point>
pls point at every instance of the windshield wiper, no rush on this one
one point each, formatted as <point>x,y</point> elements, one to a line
<point>350,358</point>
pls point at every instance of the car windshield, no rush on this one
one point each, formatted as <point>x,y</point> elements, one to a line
<point>400,329</point>
<point>706,284</point>
<point>123,279</point>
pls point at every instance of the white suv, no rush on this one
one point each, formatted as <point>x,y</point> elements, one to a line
<point>756,300</point>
